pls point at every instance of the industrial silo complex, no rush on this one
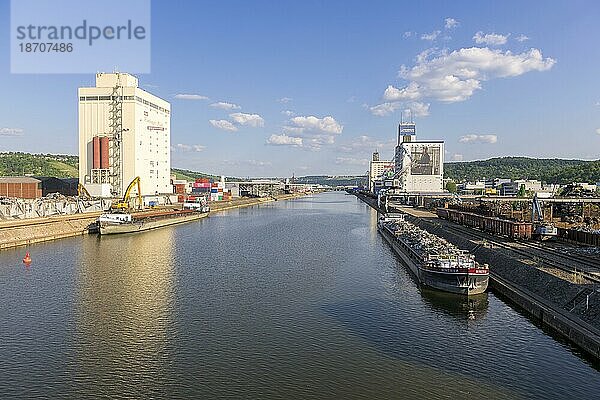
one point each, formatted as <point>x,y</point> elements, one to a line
<point>124,132</point>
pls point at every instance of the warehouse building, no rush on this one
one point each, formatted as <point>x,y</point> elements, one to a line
<point>23,187</point>
<point>124,132</point>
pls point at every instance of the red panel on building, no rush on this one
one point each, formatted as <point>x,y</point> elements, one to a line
<point>104,153</point>
<point>96,152</point>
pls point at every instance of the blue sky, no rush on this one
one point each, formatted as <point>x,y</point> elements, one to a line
<point>315,86</point>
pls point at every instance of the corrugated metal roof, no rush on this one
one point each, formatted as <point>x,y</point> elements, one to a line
<point>18,179</point>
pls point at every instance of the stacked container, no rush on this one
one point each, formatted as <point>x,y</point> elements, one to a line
<point>201,186</point>
<point>216,191</point>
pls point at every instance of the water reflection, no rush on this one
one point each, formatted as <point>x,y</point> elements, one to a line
<point>123,306</point>
<point>461,308</point>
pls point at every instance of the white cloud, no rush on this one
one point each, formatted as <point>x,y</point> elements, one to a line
<point>313,125</point>
<point>288,113</point>
<point>11,132</point>
<point>492,39</point>
<point>225,106</point>
<point>252,163</point>
<point>284,100</point>
<point>473,138</point>
<point>223,124</point>
<point>183,96</point>
<point>351,161</point>
<point>284,140</point>
<point>187,147</point>
<point>181,146</point>
<point>451,23</point>
<point>418,109</point>
<point>408,34</point>
<point>253,120</point>
<point>409,92</point>
<point>521,38</point>
<point>457,157</point>
<point>431,36</point>
<point>308,132</point>
<point>383,109</point>
<point>598,131</point>
<point>455,76</point>
<point>257,163</point>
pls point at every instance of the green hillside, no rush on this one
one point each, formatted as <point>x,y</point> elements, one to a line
<point>546,170</point>
<point>16,164</point>
<point>190,175</point>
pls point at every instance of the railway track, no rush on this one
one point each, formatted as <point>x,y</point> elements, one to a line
<point>587,262</point>
<point>585,268</point>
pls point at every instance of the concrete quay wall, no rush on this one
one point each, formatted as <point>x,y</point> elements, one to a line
<point>570,326</point>
<point>36,230</point>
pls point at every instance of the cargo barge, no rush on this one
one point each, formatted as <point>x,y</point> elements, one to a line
<point>124,222</point>
<point>433,261</point>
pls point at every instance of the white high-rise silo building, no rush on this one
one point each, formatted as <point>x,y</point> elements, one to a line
<point>419,164</point>
<point>124,132</point>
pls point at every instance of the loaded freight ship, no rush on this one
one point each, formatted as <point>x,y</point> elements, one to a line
<point>435,262</point>
<point>123,222</point>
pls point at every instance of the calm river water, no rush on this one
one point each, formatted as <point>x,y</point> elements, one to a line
<point>292,299</point>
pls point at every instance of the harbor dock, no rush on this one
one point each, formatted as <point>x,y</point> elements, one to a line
<point>29,231</point>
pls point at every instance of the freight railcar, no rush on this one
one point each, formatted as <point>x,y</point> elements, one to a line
<point>497,226</point>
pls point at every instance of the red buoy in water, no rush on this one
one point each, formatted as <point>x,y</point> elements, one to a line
<point>27,259</point>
